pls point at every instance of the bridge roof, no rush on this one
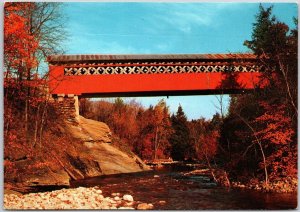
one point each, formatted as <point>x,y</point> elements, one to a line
<point>146,57</point>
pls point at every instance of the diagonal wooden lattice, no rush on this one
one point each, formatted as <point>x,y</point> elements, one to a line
<point>156,68</point>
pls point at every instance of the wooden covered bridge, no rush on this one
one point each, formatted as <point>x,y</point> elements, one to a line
<point>73,76</point>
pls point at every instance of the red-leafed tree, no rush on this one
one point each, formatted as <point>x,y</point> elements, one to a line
<point>276,126</point>
<point>19,44</point>
<point>31,33</point>
<point>275,132</point>
<point>207,145</point>
<point>205,135</point>
<point>155,131</point>
<point>259,135</point>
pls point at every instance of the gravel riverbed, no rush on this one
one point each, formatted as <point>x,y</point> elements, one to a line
<point>77,198</point>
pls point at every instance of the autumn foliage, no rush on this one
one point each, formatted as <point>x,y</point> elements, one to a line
<point>259,134</point>
<point>145,131</point>
<point>255,140</point>
<point>20,43</point>
<point>27,124</point>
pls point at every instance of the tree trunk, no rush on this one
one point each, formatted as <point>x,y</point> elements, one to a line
<point>27,105</point>
<point>156,143</point>
<point>36,126</point>
<point>260,146</point>
<point>43,118</point>
<point>265,164</point>
<point>209,166</point>
<point>287,85</point>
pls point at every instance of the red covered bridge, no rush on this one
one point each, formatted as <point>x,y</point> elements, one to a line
<point>142,75</point>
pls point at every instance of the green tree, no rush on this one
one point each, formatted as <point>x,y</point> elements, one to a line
<point>276,46</point>
<point>259,136</point>
<point>180,141</point>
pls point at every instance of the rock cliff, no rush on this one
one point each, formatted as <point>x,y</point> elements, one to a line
<point>88,153</point>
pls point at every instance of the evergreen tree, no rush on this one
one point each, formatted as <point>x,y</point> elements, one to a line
<point>258,135</point>
<point>180,139</point>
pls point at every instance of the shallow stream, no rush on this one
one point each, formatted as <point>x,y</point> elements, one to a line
<point>170,189</point>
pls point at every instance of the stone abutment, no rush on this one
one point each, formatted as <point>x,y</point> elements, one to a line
<point>67,105</point>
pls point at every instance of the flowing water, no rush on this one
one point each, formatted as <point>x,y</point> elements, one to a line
<point>170,189</point>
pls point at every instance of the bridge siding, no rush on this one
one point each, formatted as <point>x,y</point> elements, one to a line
<point>122,83</point>
<point>66,89</point>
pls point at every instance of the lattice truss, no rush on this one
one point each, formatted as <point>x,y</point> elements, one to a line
<point>156,68</point>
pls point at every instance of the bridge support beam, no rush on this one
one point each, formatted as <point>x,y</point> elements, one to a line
<point>68,106</point>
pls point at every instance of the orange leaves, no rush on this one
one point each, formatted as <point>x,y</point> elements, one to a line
<point>206,136</point>
<point>275,131</point>
<point>155,131</point>
<point>19,44</point>
<point>275,124</point>
<point>208,144</point>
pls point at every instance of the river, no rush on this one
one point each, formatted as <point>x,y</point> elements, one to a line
<point>170,189</point>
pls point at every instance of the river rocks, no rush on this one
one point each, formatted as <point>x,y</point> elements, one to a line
<point>128,198</point>
<point>238,185</point>
<point>126,208</point>
<point>144,206</point>
<point>78,198</point>
<point>162,202</point>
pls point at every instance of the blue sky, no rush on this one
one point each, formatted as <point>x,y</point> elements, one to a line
<point>166,28</point>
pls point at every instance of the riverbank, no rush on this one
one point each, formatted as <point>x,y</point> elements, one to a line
<point>284,186</point>
<point>288,185</point>
<point>159,190</point>
<point>77,198</point>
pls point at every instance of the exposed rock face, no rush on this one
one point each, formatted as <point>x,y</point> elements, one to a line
<point>90,130</point>
<point>90,154</point>
<point>107,158</point>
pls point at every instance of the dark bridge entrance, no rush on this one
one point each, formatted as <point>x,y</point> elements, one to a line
<point>138,75</point>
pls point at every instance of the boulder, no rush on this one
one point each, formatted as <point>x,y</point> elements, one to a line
<point>144,206</point>
<point>128,198</point>
<point>126,208</point>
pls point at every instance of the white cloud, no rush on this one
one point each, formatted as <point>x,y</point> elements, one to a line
<point>90,44</point>
<point>184,16</point>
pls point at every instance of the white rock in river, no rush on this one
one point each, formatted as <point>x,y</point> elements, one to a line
<point>144,206</point>
<point>98,191</point>
<point>129,204</point>
<point>126,208</point>
<point>128,198</point>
